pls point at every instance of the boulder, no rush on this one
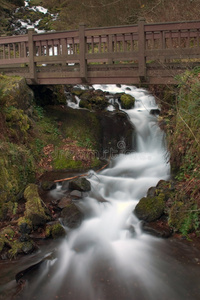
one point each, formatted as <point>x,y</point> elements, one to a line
<point>64,202</point>
<point>159,228</point>
<point>47,185</point>
<point>127,101</point>
<point>71,216</point>
<point>80,184</point>
<point>150,208</point>
<point>55,230</point>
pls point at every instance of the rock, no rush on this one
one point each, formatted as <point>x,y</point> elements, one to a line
<point>71,216</point>
<point>64,202</point>
<point>55,230</point>
<point>35,210</point>
<point>154,112</point>
<point>28,247</point>
<point>28,272</point>
<point>24,238</point>
<point>76,194</point>
<point>93,100</point>
<point>150,208</point>
<point>127,101</point>
<point>116,131</point>
<point>80,184</point>
<point>151,192</point>
<point>48,185</point>
<point>24,226</point>
<point>158,228</point>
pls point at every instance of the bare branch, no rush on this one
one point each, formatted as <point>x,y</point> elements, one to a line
<point>102,4</point>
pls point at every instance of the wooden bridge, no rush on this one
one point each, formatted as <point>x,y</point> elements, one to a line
<point>141,53</point>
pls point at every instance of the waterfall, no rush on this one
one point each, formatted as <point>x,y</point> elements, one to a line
<point>109,257</point>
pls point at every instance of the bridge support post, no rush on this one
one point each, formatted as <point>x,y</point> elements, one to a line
<point>141,49</point>
<point>32,65</point>
<point>82,45</point>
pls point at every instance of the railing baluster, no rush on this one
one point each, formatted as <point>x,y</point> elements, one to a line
<point>14,50</point>
<point>82,48</point>
<point>141,46</point>
<point>4,52</point>
<point>123,43</point>
<point>198,31</point>
<point>188,39</point>
<point>99,46</point>
<point>179,38</point>
<point>9,57</point>
<point>73,47</point>
<point>132,43</point>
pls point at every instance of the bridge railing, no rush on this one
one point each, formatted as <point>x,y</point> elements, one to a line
<point>141,45</point>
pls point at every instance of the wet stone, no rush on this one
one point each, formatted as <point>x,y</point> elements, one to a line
<point>64,202</point>
<point>80,184</point>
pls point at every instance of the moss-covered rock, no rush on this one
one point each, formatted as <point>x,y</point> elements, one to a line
<point>35,210</point>
<point>16,92</point>
<point>80,184</point>
<point>54,230</point>
<point>127,101</point>
<point>94,103</point>
<point>93,100</point>
<point>150,208</point>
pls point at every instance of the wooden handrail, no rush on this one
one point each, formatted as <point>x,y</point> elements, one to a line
<point>130,44</point>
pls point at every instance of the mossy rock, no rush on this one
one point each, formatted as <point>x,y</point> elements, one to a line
<point>80,184</point>
<point>25,225</point>
<point>150,208</point>
<point>93,101</point>
<point>71,216</point>
<point>77,91</point>
<point>55,230</point>
<point>16,92</point>
<point>18,247</point>
<point>35,210</point>
<point>47,185</point>
<point>127,101</point>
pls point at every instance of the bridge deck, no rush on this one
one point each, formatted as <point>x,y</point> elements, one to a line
<point>142,53</point>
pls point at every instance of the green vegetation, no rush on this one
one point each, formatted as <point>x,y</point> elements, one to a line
<point>184,144</point>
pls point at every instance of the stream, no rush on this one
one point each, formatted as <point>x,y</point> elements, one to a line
<point>109,257</point>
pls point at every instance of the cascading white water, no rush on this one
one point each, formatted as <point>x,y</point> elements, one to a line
<point>109,257</point>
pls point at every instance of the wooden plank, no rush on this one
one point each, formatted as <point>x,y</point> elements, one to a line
<point>123,56</point>
<point>13,39</point>
<point>13,61</point>
<point>56,59</point>
<point>168,53</point>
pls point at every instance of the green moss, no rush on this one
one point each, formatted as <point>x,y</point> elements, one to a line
<point>2,243</point>
<point>35,211</point>
<point>16,248</point>
<point>64,160</point>
<point>7,233</point>
<point>55,231</point>
<point>127,101</point>
<point>150,208</point>
<point>6,237</point>
<point>24,220</point>
<point>16,169</point>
